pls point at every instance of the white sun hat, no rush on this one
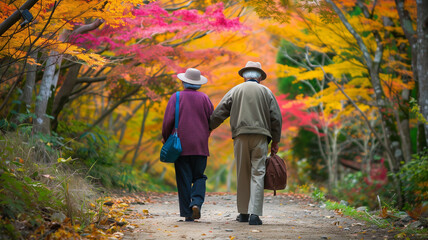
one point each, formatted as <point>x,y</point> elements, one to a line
<point>192,76</point>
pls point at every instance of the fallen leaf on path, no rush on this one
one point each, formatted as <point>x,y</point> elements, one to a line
<point>118,234</point>
<point>255,231</point>
<point>400,235</point>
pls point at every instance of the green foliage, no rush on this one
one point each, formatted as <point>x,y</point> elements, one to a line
<point>286,85</point>
<point>7,126</point>
<point>350,211</point>
<point>96,151</point>
<point>416,110</point>
<point>33,189</point>
<point>22,193</point>
<point>358,191</point>
<point>318,195</point>
<point>414,179</point>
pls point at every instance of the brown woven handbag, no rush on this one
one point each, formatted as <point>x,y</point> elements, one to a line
<point>276,174</point>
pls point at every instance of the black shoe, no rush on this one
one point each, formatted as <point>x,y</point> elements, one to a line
<point>255,220</point>
<point>242,217</point>
<point>196,213</point>
<point>188,219</point>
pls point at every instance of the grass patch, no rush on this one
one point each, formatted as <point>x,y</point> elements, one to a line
<point>37,184</point>
<point>361,215</point>
<point>382,219</point>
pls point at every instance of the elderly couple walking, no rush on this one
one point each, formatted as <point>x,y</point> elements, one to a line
<point>255,120</point>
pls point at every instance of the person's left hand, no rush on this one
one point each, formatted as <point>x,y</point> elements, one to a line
<point>274,148</point>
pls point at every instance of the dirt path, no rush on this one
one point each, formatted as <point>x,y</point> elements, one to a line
<point>285,217</point>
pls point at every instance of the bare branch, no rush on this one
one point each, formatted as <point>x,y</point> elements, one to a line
<point>91,79</point>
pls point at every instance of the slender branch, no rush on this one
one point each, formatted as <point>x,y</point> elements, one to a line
<point>357,37</point>
<point>188,40</point>
<point>112,108</point>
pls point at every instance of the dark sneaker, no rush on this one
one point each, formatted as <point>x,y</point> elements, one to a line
<point>196,213</point>
<point>188,219</point>
<point>255,220</point>
<point>242,217</point>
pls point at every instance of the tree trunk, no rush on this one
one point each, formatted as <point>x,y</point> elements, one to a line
<point>50,80</point>
<point>42,122</point>
<point>415,44</point>
<point>27,95</point>
<point>64,93</point>
<point>143,124</point>
<point>422,60</point>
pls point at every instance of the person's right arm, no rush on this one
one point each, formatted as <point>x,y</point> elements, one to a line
<point>169,118</point>
<point>222,111</point>
<point>276,124</point>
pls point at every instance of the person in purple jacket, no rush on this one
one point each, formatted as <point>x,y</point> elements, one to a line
<point>195,109</point>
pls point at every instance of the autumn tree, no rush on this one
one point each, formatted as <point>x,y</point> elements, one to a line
<point>365,42</point>
<point>418,41</point>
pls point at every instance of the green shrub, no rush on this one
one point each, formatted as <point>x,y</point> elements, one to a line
<point>318,195</point>
<point>414,179</point>
<point>359,191</point>
<point>96,151</point>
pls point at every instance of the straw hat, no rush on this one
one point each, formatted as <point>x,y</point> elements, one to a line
<point>192,76</point>
<point>253,66</point>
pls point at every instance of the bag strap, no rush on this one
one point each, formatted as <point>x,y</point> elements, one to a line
<point>177,103</point>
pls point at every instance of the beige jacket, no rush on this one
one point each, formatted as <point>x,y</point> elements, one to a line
<point>252,108</point>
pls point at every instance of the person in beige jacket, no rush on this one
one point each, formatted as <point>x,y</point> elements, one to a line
<point>255,120</point>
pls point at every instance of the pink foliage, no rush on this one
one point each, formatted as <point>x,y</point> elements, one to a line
<point>295,115</point>
<point>137,36</point>
<point>378,175</point>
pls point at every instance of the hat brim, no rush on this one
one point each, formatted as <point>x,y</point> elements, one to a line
<point>183,78</point>
<point>253,68</point>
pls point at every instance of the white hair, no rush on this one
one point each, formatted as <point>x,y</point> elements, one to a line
<point>251,74</point>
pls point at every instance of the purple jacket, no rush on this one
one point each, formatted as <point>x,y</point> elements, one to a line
<point>193,124</point>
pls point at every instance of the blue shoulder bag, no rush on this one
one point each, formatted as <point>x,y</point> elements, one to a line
<point>171,150</point>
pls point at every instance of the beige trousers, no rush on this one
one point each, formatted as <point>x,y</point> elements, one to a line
<point>250,154</point>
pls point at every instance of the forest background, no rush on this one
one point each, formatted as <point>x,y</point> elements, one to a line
<point>83,91</point>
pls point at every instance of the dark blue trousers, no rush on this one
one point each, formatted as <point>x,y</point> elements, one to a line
<point>189,173</point>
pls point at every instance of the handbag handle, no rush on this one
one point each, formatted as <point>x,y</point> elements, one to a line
<point>177,111</point>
